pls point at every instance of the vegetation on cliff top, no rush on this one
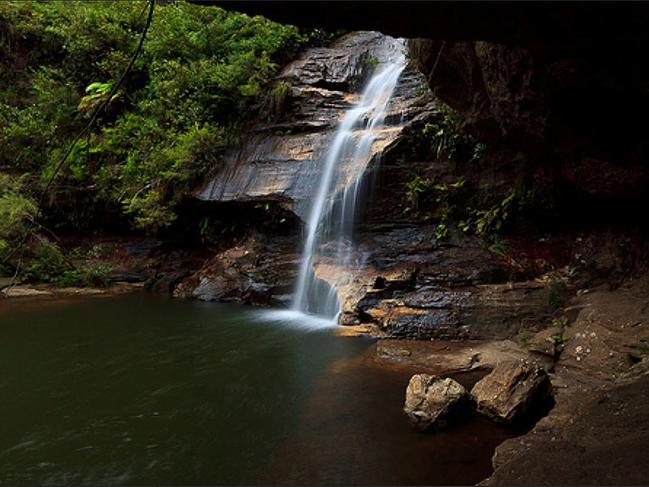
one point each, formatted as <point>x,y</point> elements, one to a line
<point>197,79</point>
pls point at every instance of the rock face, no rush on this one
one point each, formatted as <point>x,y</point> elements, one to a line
<point>257,271</point>
<point>430,400</point>
<point>412,286</point>
<point>517,96</point>
<point>282,156</point>
<point>402,281</point>
<point>504,22</point>
<point>606,440</point>
<point>600,418</point>
<point>442,357</point>
<point>558,81</point>
<point>511,390</point>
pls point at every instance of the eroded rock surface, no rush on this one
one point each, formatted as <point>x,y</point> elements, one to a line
<point>605,442</point>
<point>282,156</point>
<point>259,270</point>
<point>448,357</point>
<point>400,281</point>
<point>430,400</point>
<point>511,390</point>
<point>516,95</point>
<point>412,286</point>
<point>600,389</point>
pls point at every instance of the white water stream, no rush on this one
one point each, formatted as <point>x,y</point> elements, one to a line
<point>352,142</point>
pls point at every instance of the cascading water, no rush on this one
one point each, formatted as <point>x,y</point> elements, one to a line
<point>352,142</point>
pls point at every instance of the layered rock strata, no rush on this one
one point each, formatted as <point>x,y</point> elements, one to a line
<point>282,156</point>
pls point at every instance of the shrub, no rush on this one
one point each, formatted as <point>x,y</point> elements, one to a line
<point>92,276</point>
<point>641,346</point>
<point>199,76</point>
<point>277,101</point>
<point>47,263</point>
<point>17,214</point>
<point>448,140</point>
<point>428,199</point>
<point>371,61</point>
<point>489,222</point>
<point>557,292</point>
<point>17,210</point>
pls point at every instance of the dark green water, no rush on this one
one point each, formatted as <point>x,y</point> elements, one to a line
<point>146,390</point>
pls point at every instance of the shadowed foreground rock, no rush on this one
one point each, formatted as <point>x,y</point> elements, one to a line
<point>512,390</point>
<point>606,442</point>
<point>430,400</point>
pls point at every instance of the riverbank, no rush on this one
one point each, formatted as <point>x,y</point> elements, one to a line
<point>600,378</point>
<point>51,291</point>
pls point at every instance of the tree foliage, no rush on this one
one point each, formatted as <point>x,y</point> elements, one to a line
<point>17,213</point>
<point>200,76</point>
<point>197,80</point>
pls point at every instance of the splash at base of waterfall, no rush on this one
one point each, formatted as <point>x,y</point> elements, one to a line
<point>291,318</point>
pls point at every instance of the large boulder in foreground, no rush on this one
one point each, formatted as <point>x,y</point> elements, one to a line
<point>430,400</point>
<point>512,390</point>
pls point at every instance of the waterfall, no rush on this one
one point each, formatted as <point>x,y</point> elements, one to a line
<point>331,216</point>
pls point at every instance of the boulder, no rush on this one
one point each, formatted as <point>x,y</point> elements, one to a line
<point>430,400</point>
<point>254,272</point>
<point>166,282</point>
<point>512,391</point>
<point>547,342</point>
